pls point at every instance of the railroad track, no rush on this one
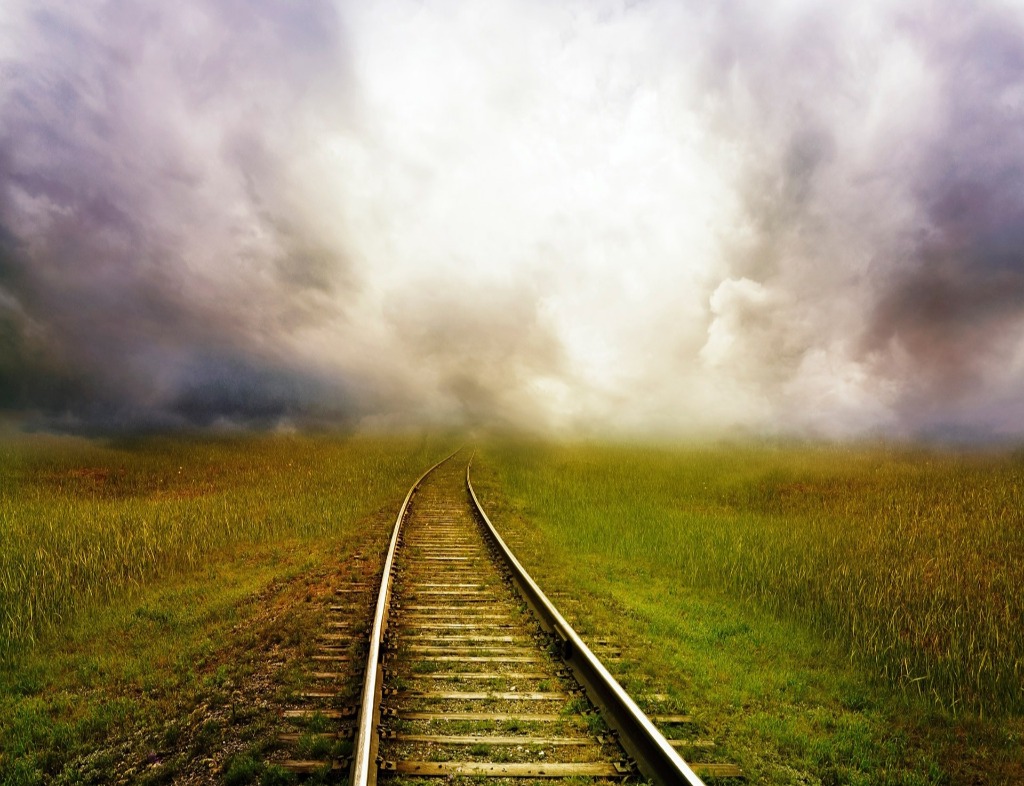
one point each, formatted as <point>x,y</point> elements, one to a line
<point>465,668</point>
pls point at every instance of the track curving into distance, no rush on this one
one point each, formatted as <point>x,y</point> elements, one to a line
<point>471,671</point>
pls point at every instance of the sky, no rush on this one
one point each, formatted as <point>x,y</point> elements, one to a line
<point>662,218</point>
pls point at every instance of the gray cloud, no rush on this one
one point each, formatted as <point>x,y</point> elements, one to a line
<point>483,349</point>
<point>950,317</point>
<point>885,247</point>
<point>652,218</point>
<point>140,157</point>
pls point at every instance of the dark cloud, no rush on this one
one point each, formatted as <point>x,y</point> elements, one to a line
<point>236,390</point>
<point>952,321</point>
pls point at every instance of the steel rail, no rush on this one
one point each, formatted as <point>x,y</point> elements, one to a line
<point>654,757</point>
<point>363,771</point>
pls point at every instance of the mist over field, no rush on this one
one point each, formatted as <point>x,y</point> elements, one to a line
<point>652,218</point>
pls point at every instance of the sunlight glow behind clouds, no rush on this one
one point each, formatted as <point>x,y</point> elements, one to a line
<point>566,160</point>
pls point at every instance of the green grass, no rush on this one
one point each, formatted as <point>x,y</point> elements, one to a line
<point>123,683</point>
<point>826,615</point>
<point>83,521</point>
<point>850,614</point>
<point>158,595</point>
<point>913,560</point>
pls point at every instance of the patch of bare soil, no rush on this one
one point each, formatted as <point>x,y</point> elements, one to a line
<point>227,727</point>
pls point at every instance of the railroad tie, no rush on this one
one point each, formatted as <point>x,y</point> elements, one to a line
<point>468,681</point>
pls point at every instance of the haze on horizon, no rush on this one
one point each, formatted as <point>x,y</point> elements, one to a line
<point>638,218</point>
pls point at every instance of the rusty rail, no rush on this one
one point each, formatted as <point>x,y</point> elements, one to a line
<point>654,757</point>
<point>363,771</point>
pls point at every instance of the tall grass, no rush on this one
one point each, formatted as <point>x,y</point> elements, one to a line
<point>913,559</point>
<point>82,521</point>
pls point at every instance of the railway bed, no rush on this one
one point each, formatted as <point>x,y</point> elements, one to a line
<point>467,669</point>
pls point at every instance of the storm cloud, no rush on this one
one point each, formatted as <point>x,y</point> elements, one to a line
<point>641,218</point>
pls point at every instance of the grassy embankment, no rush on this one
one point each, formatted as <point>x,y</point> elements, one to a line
<point>143,582</point>
<point>833,615</point>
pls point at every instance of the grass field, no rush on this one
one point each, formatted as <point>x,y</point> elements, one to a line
<point>876,590</point>
<point>82,521</point>
<point>826,615</point>
<point>147,585</point>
